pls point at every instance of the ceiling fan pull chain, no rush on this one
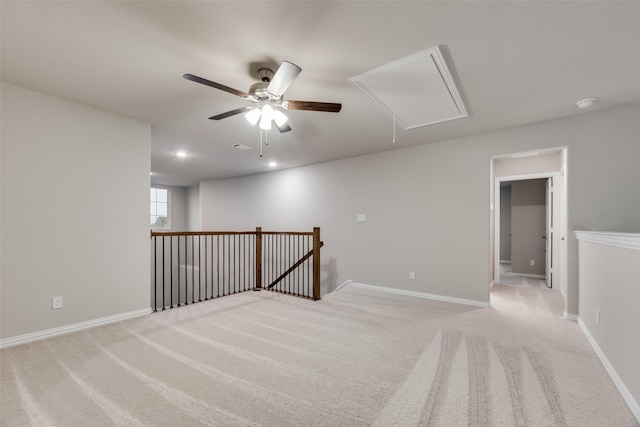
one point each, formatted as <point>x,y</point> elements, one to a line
<point>266,137</point>
<point>260,142</point>
<point>394,111</point>
<point>393,141</point>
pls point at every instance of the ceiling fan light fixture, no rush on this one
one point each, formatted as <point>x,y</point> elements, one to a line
<point>267,116</point>
<point>253,116</point>
<point>279,117</point>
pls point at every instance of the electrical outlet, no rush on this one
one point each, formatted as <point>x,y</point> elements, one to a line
<point>56,303</point>
<point>361,217</point>
<point>412,275</point>
<point>597,316</point>
<point>532,262</point>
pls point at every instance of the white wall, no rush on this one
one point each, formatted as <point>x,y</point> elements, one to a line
<point>428,207</point>
<point>505,223</point>
<point>528,225</point>
<point>194,220</point>
<point>610,284</point>
<point>75,190</point>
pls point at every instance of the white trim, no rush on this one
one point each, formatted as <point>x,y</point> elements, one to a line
<point>345,284</point>
<point>568,316</point>
<point>49,333</point>
<point>622,388</point>
<point>620,240</point>
<point>421,295</point>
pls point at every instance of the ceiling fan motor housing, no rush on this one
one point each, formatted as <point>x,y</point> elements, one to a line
<point>265,74</point>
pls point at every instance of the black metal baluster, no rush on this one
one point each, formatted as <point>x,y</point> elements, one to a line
<point>206,270</point>
<point>170,272</point>
<point>212,240</point>
<point>193,271</point>
<point>308,263</point>
<point>290,262</point>
<point>246,262</point>
<point>155,273</point>
<point>199,269</point>
<point>299,269</point>
<point>243,265</point>
<point>163,304</point>
<point>178,285</point>
<point>186,270</point>
<point>281,256</point>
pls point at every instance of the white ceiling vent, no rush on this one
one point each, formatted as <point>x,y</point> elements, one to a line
<point>241,147</point>
<point>418,90</point>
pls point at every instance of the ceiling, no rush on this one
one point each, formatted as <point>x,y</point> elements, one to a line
<point>514,63</point>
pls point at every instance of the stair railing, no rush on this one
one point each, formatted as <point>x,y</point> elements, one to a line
<point>189,267</point>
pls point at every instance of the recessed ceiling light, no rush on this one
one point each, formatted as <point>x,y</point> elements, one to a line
<point>272,164</point>
<point>586,103</point>
<point>181,154</point>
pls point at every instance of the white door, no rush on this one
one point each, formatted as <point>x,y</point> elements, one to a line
<point>549,234</point>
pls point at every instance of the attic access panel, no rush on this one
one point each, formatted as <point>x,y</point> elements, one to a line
<point>418,90</point>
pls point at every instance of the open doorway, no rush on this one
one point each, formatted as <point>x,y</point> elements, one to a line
<point>524,229</point>
<point>528,222</point>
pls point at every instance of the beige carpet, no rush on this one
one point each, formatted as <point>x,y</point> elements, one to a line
<point>354,358</point>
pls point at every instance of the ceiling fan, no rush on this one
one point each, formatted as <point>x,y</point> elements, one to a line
<point>267,96</point>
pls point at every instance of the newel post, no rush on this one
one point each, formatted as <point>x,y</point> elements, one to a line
<point>316,263</point>
<point>258,257</point>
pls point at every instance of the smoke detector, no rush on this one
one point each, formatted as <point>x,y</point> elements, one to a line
<point>586,103</point>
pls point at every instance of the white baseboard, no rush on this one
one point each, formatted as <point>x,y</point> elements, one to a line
<point>622,388</point>
<point>421,295</point>
<point>347,283</point>
<point>572,317</point>
<point>531,276</point>
<point>49,333</point>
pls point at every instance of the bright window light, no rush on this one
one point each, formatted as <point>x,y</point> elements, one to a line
<point>181,154</point>
<point>160,211</point>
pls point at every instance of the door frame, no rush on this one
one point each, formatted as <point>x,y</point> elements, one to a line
<point>560,207</point>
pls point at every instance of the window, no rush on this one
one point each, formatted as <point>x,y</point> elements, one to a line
<point>160,219</point>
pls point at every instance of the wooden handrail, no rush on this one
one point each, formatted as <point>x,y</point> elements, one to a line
<point>198,233</point>
<point>219,233</point>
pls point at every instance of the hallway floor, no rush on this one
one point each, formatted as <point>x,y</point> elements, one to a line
<point>525,295</point>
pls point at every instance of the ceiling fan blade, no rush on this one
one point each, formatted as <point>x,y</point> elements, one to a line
<point>282,79</point>
<point>328,107</point>
<point>231,113</point>
<point>215,85</point>
<point>284,128</point>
